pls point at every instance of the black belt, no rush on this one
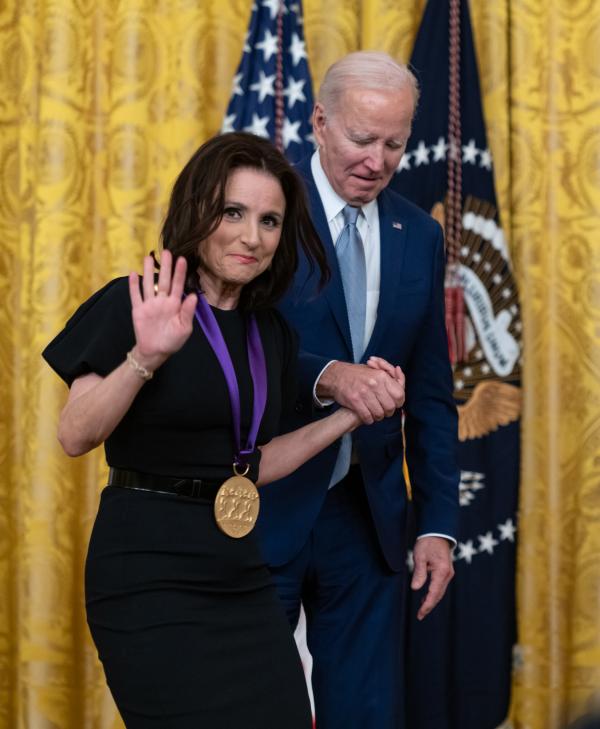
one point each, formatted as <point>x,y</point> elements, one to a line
<point>194,488</point>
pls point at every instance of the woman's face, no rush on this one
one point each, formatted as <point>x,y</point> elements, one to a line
<point>243,245</point>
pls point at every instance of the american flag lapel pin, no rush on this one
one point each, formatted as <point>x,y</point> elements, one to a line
<point>397,225</point>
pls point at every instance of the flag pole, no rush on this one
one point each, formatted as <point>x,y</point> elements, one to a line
<point>454,298</point>
<point>279,110</point>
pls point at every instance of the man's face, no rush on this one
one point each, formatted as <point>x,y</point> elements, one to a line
<point>362,141</point>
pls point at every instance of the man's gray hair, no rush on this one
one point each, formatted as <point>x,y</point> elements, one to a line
<point>365,70</point>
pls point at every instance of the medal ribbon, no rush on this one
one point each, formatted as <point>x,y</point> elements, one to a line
<point>258,371</point>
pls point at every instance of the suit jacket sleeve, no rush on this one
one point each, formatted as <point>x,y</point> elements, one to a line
<point>431,417</point>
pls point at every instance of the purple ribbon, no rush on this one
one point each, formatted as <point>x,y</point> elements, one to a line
<point>258,372</point>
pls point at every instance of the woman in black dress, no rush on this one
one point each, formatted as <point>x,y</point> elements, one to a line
<point>184,617</point>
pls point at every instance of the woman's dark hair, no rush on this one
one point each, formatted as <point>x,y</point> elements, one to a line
<point>197,205</point>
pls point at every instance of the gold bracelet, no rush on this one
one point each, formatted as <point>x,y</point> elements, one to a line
<point>138,368</point>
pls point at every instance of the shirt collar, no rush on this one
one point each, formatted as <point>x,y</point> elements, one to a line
<point>332,202</point>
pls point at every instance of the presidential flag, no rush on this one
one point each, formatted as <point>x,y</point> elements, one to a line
<point>459,657</point>
<point>271,94</point>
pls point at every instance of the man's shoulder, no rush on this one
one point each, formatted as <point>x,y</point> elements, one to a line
<point>392,202</point>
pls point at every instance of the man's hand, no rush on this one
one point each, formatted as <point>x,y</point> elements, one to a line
<point>432,557</point>
<point>372,393</point>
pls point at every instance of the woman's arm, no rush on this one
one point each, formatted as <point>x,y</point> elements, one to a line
<point>285,453</point>
<point>162,323</point>
<point>96,405</point>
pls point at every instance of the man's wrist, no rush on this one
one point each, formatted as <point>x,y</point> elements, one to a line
<point>451,541</point>
<point>322,399</point>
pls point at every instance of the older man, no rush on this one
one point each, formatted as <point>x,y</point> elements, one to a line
<point>335,532</point>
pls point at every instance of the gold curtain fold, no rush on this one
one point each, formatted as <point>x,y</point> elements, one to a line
<point>101,103</point>
<point>554,98</point>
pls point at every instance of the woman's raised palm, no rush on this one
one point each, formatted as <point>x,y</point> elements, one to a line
<point>162,318</point>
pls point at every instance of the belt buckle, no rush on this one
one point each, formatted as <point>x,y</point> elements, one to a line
<point>190,487</point>
<point>182,487</point>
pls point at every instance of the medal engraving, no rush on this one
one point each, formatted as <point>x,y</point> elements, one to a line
<point>236,506</point>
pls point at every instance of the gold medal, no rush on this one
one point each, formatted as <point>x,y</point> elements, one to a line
<point>236,505</point>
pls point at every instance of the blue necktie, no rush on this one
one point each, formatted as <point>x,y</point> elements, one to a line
<point>351,259</point>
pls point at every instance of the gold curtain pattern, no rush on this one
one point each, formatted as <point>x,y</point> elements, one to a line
<point>101,103</point>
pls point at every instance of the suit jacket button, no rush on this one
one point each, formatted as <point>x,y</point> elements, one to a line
<point>299,407</point>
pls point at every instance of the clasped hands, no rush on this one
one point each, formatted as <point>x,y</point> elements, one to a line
<point>373,391</point>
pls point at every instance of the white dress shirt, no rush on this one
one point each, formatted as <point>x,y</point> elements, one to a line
<point>368,227</point>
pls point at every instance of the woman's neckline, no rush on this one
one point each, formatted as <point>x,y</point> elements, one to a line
<point>225,311</point>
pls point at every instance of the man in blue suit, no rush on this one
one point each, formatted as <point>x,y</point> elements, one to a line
<point>334,533</point>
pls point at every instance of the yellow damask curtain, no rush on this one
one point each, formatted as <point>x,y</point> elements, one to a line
<point>101,102</point>
<point>555,210</point>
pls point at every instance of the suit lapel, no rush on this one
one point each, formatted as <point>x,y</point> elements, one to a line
<point>334,291</point>
<point>392,235</point>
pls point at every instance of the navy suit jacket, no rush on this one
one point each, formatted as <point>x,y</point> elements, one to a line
<point>410,332</point>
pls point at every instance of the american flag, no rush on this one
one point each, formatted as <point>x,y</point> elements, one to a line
<point>271,93</point>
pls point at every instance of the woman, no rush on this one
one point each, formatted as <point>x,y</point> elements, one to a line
<point>181,609</point>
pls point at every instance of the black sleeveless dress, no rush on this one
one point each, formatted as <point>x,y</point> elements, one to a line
<point>185,619</point>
